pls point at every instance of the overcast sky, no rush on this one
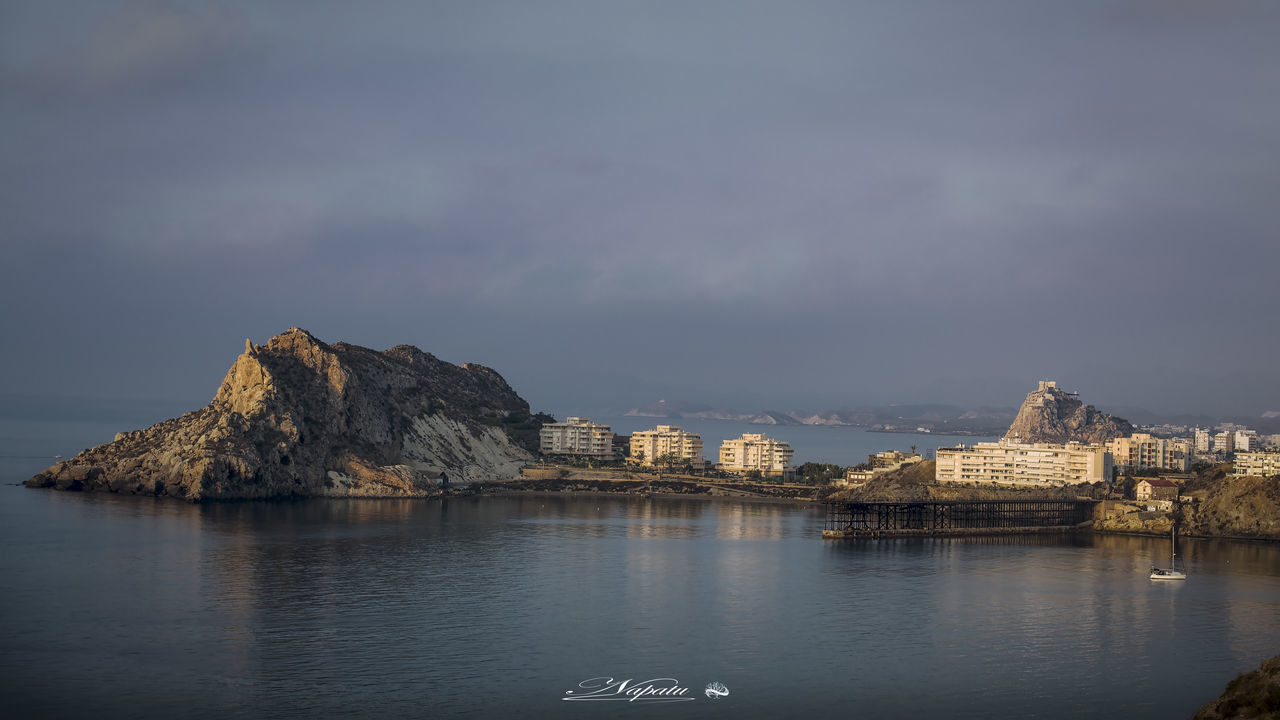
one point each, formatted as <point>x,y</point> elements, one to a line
<point>756,205</point>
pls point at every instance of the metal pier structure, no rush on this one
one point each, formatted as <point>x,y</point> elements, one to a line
<point>847,519</point>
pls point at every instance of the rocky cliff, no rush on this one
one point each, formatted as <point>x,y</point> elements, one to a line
<point>1051,415</point>
<point>300,418</point>
<point>1217,505</point>
<point>1254,695</point>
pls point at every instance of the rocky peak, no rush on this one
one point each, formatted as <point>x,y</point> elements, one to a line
<point>300,417</point>
<point>1050,415</point>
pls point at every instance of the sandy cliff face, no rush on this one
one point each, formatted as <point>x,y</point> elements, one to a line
<point>298,417</point>
<point>1244,507</point>
<point>1051,415</point>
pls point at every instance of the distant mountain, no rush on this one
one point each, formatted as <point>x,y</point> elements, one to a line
<point>933,418</point>
<point>665,409</point>
<point>1051,415</point>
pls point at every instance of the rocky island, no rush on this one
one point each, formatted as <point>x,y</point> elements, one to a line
<point>297,417</point>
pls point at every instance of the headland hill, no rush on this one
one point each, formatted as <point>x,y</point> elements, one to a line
<point>297,418</point>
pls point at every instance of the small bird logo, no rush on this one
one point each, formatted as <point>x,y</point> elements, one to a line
<point>716,690</point>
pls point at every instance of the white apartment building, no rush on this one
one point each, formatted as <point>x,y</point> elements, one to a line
<point>1246,440</point>
<point>755,451</point>
<point>1141,450</point>
<point>578,436</point>
<point>684,447</point>
<point>1204,442</point>
<point>1256,464</point>
<point>1006,462</point>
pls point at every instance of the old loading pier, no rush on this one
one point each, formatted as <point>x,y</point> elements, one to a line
<point>860,519</point>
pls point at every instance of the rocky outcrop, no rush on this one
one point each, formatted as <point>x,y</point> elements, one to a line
<point>1129,517</point>
<point>1241,507</point>
<point>1051,415</point>
<point>300,418</point>
<point>1255,695</point>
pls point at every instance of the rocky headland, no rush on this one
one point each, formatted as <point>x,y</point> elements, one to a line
<point>1053,416</point>
<point>297,417</point>
<point>1255,695</point>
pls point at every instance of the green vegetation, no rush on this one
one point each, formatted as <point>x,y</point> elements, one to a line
<point>523,428</point>
<point>819,473</point>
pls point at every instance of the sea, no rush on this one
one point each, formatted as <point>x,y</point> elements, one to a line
<point>836,444</point>
<point>583,606</point>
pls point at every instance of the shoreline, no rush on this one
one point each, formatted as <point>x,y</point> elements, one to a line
<point>646,496</point>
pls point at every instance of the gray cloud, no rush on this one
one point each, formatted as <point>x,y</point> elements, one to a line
<point>811,203</point>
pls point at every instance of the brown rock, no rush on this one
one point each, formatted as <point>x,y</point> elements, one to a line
<point>298,417</point>
<point>1051,415</point>
<point>1254,695</point>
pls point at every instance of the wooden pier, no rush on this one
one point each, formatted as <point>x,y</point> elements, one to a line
<point>847,519</point>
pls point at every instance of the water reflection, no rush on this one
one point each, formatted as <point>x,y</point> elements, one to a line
<point>386,607</point>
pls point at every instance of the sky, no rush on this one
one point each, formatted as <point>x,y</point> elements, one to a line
<point>755,205</point>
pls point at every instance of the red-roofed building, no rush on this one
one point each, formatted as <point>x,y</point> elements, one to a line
<point>1148,489</point>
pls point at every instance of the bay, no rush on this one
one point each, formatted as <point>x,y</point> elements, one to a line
<point>498,606</point>
<point>491,606</point>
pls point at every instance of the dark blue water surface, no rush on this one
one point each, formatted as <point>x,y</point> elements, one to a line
<point>496,607</point>
<point>131,607</point>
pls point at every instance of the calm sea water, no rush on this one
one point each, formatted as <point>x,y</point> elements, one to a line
<point>812,443</point>
<point>496,607</point>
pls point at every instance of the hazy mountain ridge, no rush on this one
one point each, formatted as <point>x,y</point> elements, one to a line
<point>934,418</point>
<point>297,417</point>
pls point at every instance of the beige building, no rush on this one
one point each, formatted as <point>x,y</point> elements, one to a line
<point>1156,492</point>
<point>754,451</point>
<point>578,436</point>
<point>1224,442</point>
<point>1141,450</point>
<point>682,446</point>
<point>891,460</point>
<point>1011,463</point>
<point>855,478</point>
<point>1256,464</point>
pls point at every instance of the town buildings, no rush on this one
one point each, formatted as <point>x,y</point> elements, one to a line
<point>668,443</point>
<point>1141,450</point>
<point>755,451</point>
<point>578,436</point>
<point>1256,464</point>
<point>1006,462</point>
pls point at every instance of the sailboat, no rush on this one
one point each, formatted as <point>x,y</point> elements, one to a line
<point>1172,573</point>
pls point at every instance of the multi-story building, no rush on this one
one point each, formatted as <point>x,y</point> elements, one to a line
<point>578,436</point>
<point>1006,462</point>
<point>1224,442</point>
<point>754,451</point>
<point>668,443</point>
<point>1256,464</point>
<point>1246,440</point>
<point>1204,442</point>
<point>1141,450</point>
